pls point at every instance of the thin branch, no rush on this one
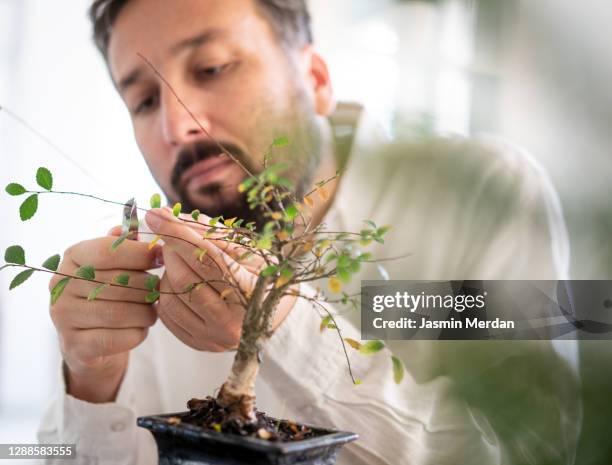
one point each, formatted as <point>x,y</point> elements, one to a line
<point>47,141</point>
<point>111,284</point>
<point>338,330</point>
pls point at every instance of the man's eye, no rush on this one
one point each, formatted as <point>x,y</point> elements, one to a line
<point>211,71</point>
<point>146,105</point>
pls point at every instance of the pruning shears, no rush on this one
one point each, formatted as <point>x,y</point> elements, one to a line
<point>129,227</point>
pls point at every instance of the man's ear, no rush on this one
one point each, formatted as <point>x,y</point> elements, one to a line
<point>320,82</point>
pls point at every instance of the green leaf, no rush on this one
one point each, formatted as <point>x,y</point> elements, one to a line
<point>215,220</point>
<point>176,210</point>
<point>15,254</point>
<point>371,223</point>
<point>398,369</point>
<point>122,279</point>
<point>344,275</point>
<point>56,292</point>
<point>152,297</point>
<point>264,243</point>
<point>15,189</point>
<point>195,215</point>
<point>287,273</point>
<point>371,347</point>
<point>86,272</point>
<point>383,230</point>
<point>44,178</point>
<point>155,201</point>
<point>52,263</point>
<point>284,182</point>
<point>282,141</point>
<point>93,295</point>
<point>117,242</point>
<point>324,322</point>
<point>246,184</point>
<point>291,212</point>
<point>151,282</point>
<point>269,271</point>
<point>20,279</point>
<point>28,207</point>
<point>189,287</point>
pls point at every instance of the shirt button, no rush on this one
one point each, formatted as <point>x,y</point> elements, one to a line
<point>119,426</point>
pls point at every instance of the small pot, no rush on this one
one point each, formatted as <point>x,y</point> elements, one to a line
<point>186,444</point>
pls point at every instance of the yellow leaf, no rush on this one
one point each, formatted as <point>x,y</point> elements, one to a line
<point>334,285</point>
<point>153,242</point>
<point>230,222</point>
<point>309,202</point>
<point>353,343</point>
<point>281,281</point>
<point>226,292</point>
<point>276,216</point>
<point>282,235</point>
<point>357,382</point>
<point>323,194</point>
<point>307,246</point>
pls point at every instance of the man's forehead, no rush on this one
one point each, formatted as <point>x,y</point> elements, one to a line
<point>159,28</point>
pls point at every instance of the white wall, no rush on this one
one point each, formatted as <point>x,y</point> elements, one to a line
<point>51,76</point>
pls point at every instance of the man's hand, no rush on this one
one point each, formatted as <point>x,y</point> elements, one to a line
<point>209,318</point>
<point>96,336</point>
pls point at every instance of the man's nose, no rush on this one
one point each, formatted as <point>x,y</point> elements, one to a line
<point>182,123</point>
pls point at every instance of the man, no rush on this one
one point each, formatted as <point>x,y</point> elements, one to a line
<point>247,72</point>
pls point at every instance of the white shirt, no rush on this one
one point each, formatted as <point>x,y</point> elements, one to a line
<point>465,210</point>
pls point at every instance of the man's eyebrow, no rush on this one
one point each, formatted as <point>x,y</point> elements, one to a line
<point>197,41</point>
<point>130,80</point>
<point>191,42</point>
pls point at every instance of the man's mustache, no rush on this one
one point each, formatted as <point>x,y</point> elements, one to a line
<point>199,151</point>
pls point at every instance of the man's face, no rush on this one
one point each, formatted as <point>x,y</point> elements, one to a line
<point>224,61</point>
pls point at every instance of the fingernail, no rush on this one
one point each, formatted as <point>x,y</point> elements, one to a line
<point>159,258</point>
<point>153,220</point>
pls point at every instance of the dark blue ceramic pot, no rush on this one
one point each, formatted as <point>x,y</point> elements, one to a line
<point>185,444</point>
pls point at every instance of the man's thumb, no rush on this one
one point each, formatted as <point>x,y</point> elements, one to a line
<point>115,231</point>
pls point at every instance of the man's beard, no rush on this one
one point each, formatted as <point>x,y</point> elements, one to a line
<point>304,158</point>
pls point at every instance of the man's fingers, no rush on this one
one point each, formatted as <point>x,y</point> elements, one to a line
<point>130,255</point>
<point>185,337</point>
<point>80,288</point>
<point>115,231</point>
<point>106,314</point>
<point>91,343</point>
<point>180,274</point>
<point>185,240</point>
<point>187,325</point>
<point>237,251</point>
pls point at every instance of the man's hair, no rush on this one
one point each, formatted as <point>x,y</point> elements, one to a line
<point>290,20</point>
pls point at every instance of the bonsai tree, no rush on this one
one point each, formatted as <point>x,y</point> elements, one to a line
<point>292,251</point>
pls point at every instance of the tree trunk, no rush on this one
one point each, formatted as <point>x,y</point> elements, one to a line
<point>238,391</point>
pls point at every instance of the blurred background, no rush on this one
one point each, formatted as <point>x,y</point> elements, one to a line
<point>534,72</point>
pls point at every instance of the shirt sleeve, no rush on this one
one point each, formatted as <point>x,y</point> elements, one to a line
<point>103,433</point>
<point>399,423</point>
